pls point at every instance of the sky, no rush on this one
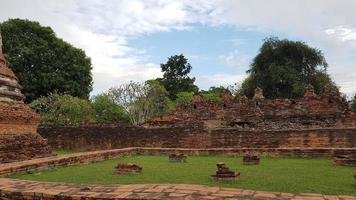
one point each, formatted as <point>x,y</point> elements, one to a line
<point>128,39</point>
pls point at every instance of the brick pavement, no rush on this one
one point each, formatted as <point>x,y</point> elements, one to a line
<point>21,189</point>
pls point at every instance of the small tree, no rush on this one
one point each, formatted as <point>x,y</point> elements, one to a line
<point>235,89</point>
<point>175,76</point>
<point>184,98</point>
<point>107,111</point>
<point>283,69</point>
<point>214,93</point>
<point>353,102</point>
<point>63,110</point>
<point>140,100</point>
<point>159,95</point>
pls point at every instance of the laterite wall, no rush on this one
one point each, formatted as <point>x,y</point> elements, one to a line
<point>113,137</point>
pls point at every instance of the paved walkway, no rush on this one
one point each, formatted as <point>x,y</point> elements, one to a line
<point>20,189</point>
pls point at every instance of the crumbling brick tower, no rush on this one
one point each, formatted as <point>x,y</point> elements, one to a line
<point>19,139</point>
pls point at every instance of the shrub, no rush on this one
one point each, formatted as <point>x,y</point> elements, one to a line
<point>211,96</point>
<point>184,98</point>
<point>107,111</point>
<point>63,110</point>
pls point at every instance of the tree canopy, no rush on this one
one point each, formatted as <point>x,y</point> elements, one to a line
<point>107,111</point>
<point>283,69</point>
<point>63,110</point>
<point>353,102</point>
<point>43,62</point>
<point>140,100</point>
<point>175,76</point>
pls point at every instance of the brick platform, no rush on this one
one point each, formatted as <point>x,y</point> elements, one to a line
<point>20,189</point>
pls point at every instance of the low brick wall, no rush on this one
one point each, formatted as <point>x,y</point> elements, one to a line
<point>65,160</point>
<point>112,137</point>
<point>271,152</point>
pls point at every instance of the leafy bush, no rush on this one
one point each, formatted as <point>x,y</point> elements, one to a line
<point>63,109</point>
<point>184,98</point>
<point>141,101</point>
<point>107,111</point>
<point>211,96</point>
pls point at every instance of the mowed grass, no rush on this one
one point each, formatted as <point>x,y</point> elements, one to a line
<point>294,175</point>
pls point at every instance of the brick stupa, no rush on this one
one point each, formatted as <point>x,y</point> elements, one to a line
<point>19,139</point>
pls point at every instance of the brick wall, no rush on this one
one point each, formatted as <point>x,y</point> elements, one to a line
<point>113,137</point>
<point>328,110</point>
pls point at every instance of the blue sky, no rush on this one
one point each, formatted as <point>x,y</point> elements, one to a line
<point>128,39</point>
<point>210,50</point>
<point>204,46</point>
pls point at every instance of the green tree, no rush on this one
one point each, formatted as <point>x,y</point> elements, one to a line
<point>141,101</point>
<point>43,62</point>
<point>184,98</point>
<point>214,93</point>
<point>159,96</point>
<point>63,110</point>
<point>107,111</point>
<point>175,76</point>
<point>283,69</point>
<point>353,102</point>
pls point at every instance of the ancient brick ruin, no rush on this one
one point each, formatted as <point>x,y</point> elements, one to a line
<point>250,160</point>
<point>19,139</point>
<point>223,173</point>
<point>177,157</point>
<point>345,160</point>
<point>329,110</point>
<point>129,168</point>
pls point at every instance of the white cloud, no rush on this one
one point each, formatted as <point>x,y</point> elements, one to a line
<point>325,24</point>
<point>220,79</point>
<point>342,33</point>
<point>235,59</point>
<point>104,28</point>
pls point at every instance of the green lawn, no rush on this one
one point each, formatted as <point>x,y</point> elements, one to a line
<point>295,175</point>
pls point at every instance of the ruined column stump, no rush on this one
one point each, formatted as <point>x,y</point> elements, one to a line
<point>177,157</point>
<point>251,160</point>
<point>128,168</point>
<point>225,174</point>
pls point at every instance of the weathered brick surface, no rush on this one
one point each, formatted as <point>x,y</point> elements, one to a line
<point>19,139</point>
<point>20,189</point>
<point>329,110</point>
<point>313,122</point>
<point>110,137</point>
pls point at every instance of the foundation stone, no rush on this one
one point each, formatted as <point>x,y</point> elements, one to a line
<point>128,168</point>
<point>225,174</point>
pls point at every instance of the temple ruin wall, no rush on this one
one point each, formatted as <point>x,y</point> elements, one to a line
<point>195,137</point>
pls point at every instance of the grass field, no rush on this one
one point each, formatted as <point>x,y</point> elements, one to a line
<point>294,175</point>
